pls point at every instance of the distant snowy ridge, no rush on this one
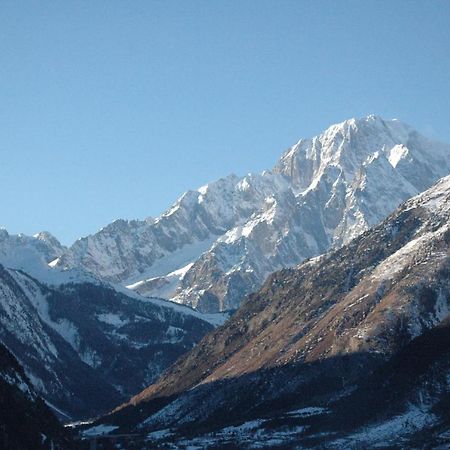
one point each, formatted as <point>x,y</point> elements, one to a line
<point>29,253</point>
<point>136,252</point>
<point>37,257</point>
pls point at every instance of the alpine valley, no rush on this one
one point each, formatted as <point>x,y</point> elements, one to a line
<point>303,307</point>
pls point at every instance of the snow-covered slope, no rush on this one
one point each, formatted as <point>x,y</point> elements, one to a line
<point>218,243</point>
<point>29,253</point>
<point>38,255</point>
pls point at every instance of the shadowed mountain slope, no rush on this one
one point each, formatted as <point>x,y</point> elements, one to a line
<point>87,346</point>
<point>26,422</point>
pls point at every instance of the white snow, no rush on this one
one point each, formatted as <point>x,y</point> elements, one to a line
<point>112,319</point>
<point>307,412</point>
<point>63,327</point>
<point>437,198</point>
<point>99,430</point>
<point>173,262</point>
<point>251,434</point>
<point>246,426</point>
<point>37,383</point>
<point>67,331</point>
<point>14,379</point>
<point>389,431</point>
<point>58,410</point>
<point>160,434</point>
<point>163,286</point>
<point>397,153</point>
<point>402,257</point>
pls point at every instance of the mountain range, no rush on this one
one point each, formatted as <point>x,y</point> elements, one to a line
<point>338,297</point>
<point>219,243</point>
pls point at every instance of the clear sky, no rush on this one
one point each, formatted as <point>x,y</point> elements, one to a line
<point>112,108</point>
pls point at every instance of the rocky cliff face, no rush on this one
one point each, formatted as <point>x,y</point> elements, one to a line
<point>349,349</point>
<point>220,242</point>
<point>127,251</point>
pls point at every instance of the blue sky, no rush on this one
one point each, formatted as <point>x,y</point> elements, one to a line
<point>112,109</point>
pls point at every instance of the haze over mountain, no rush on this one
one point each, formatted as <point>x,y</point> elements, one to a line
<point>220,242</point>
<point>347,350</point>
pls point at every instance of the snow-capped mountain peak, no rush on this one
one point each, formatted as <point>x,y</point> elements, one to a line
<point>233,232</point>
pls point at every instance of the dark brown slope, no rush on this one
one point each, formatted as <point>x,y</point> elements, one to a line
<point>311,333</point>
